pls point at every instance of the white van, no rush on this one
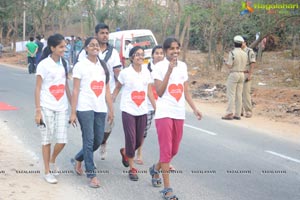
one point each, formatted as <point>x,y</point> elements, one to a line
<point>138,37</point>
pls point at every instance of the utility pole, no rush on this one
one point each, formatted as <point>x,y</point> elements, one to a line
<point>24,23</point>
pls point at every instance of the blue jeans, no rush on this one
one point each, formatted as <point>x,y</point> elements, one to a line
<point>31,64</point>
<point>92,128</point>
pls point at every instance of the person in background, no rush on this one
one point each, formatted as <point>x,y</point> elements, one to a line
<point>135,82</point>
<point>51,103</point>
<point>171,83</point>
<point>40,49</point>
<point>67,55</point>
<point>1,49</point>
<point>128,47</point>
<point>236,63</point>
<point>78,45</point>
<point>31,48</point>
<point>72,52</point>
<point>247,103</point>
<point>43,40</point>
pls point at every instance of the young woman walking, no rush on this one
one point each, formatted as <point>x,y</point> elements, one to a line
<point>51,102</point>
<point>91,100</point>
<point>171,82</point>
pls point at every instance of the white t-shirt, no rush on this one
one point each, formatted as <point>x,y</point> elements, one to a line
<point>134,90</point>
<point>92,86</point>
<point>113,62</point>
<point>172,103</point>
<point>150,107</point>
<point>53,93</point>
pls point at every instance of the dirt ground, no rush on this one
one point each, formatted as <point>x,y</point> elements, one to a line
<point>275,85</point>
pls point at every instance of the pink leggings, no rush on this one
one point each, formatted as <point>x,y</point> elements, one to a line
<point>169,133</point>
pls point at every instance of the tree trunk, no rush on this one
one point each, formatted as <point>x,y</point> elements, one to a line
<point>1,32</point>
<point>210,37</point>
<point>259,53</point>
<point>295,46</point>
<point>9,31</point>
<point>15,33</point>
<point>187,38</point>
<point>166,23</point>
<point>296,42</point>
<point>179,14</point>
<point>219,54</point>
<point>184,30</point>
<point>60,21</point>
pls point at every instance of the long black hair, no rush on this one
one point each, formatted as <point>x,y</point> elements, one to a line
<point>152,53</point>
<point>167,43</point>
<point>133,51</point>
<point>53,41</point>
<point>87,41</point>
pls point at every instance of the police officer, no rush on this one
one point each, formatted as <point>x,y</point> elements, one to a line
<point>247,105</point>
<point>236,63</point>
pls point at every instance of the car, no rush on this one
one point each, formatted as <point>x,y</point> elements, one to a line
<point>138,37</point>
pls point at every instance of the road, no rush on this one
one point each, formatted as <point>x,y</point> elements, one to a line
<point>216,161</point>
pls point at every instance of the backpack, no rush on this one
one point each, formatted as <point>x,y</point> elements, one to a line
<point>103,64</point>
<point>109,52</point>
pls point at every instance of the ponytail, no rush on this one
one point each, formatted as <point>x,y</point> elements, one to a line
<point>53,41</point>
<point>46,52</point>
<point>149,67</point>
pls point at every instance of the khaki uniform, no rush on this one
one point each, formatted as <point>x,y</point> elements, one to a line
<point>247,105</point>
<point>238,60</point>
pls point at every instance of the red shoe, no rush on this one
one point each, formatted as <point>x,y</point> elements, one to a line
<point>133,174</point>
<point>124,158</point>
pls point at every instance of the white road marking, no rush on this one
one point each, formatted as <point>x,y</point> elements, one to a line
<point>283,156</point>
<point>200,129</point>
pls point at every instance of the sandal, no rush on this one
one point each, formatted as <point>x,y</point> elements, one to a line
<point>172,168</point>
<point>133,174</point>
<point>124,158</point>
<point>139,161</point>
<point>168,197</point>
<point>93,184</point>
<point>78,172</point>
<point>156,182</point>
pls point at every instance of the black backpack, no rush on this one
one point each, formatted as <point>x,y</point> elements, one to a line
<point>103,64</point>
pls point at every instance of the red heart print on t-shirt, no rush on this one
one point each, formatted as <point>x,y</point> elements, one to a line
<point>138,97</point>
<point>57,91</point>
<point>97,87</point>
<point>176,91</point>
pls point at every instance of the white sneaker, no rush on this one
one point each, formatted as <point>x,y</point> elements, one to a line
<point>54,170</point>
<point>50,178</point>
<point>103,152</point>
